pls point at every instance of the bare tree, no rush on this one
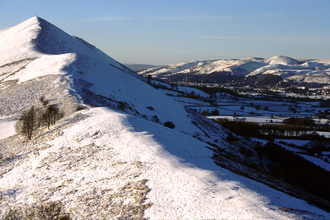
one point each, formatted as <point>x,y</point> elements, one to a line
<point>51,114</point>
<point>36,117</point>
<point>27,123</point>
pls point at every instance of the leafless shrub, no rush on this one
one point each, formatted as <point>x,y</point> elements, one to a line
<point>169,124</point>
<point>122,105</point>
<point>155,119</point>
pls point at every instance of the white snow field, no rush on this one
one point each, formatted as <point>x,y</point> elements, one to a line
<point>7,128</point>
<point>92,160</point>
<point>100,163</point>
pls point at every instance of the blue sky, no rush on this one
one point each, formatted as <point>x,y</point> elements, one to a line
<point>172,31</point>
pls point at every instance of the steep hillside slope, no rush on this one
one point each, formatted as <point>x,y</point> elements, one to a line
<point>103,163</point>
<point>77,70</point>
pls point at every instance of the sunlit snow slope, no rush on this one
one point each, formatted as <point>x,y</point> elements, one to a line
<point>103,163</point>
<point>37,49</point>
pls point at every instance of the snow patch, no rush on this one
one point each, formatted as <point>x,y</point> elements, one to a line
<point>7,128</point>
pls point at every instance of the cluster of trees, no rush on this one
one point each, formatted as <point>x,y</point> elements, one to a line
<point>214,112</point>
<point>317,146</point>
<point>34,118</point>
<point>288,165</point>
<point>305,121</point>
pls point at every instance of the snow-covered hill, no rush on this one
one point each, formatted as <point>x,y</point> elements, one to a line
<point>279,65</point>
<point>81,71</point>
<point>103,163</point>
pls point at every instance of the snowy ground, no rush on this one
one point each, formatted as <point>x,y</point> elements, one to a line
<point>294,141</point>
<point>262,141</point>
<point>317,161</point>
<point>115,158</point>
<point>182,89</point>
<point>326,134</point>
<point>7,129</point>
<point>190,102</point>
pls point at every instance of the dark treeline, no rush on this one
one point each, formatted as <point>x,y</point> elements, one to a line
<point>297,170</point>
<point>211,90</point>
<point>305,121</point>
<point>252,129</point>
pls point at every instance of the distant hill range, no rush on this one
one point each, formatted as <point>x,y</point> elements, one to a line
<point>277,71</point>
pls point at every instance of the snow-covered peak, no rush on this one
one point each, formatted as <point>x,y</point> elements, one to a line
<point>282,60</point>
<point>17,43</point>
<point>37,36</point>
<point>52,40</point>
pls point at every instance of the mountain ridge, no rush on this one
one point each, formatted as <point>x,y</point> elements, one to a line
<point>214,71</point>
